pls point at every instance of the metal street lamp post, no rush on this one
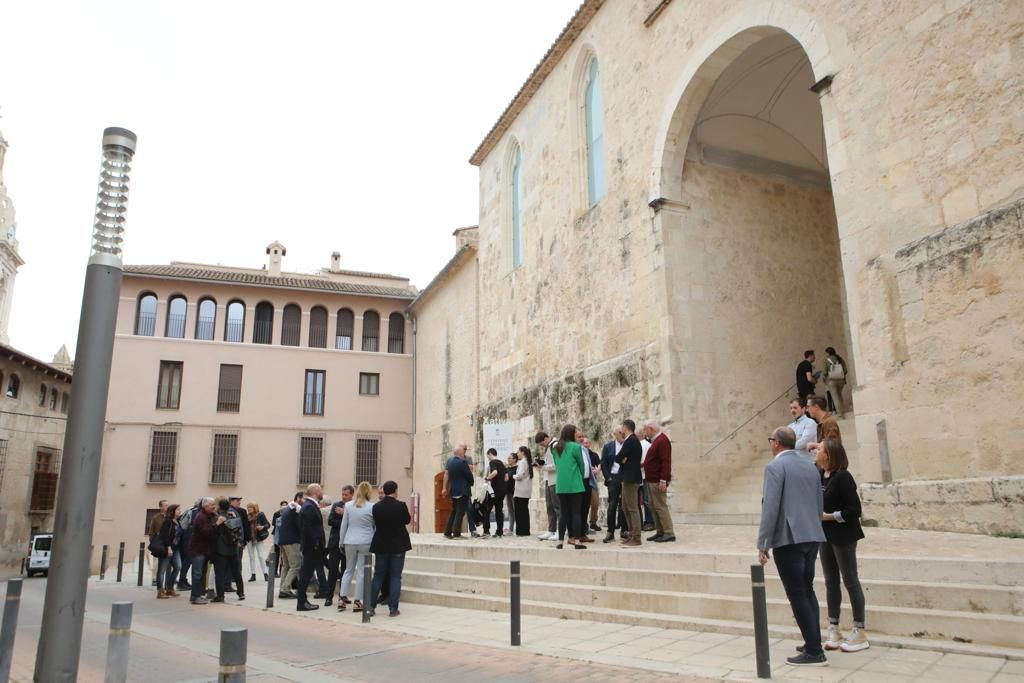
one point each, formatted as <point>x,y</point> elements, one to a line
<point>60,640</point>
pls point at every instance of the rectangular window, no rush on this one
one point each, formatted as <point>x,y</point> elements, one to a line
<point>369,383</point>
<point>313,398</point>
<point>44,480</point>
<point>3,461</point>
<point>311,459</point>
<point>163,455</point>
<point>225,458</point>
<point>229,391</point>
<point>168,392</point>
<point>368,459</point>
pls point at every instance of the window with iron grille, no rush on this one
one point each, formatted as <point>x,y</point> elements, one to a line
<point>344,330</point>
<point>291,325</point>
<point>318,327</point>
<point>313,396</point>
<point>396,333</point>
<point>229,391</point>
<point>3,461</point>
<point>44,480</point>
<point>371,331</point>
<point>311,459</point>
<point>163,455</point>
<point>145,315</point>
<point>224,462</point>
<point>369,383</point>
<point>368,459</point>
<point>168,391</point>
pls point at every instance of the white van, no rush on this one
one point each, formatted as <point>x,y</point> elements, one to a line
<point>39,555</point>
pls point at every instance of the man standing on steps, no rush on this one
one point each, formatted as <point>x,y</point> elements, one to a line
<point>610,472</point>
<point>458,483</point>
<point>805,377</point>
<point>544,445</point>
<point>629,470</point>
<point>828,427</point>
<point>805,428</point>
<point>658,468</point>
<point>791,508</point>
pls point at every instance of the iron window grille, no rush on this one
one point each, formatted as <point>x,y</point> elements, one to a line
<point>368,459</point>
<point>163,455</point>
<point>45,476</point>
<point>224,460</point>
<point>311,459</point>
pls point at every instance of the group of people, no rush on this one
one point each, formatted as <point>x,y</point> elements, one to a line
<point>311,536</point>
<point>635,467</point>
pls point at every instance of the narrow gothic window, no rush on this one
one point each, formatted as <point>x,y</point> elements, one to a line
<point>516,191</point>
<point>595,136</point>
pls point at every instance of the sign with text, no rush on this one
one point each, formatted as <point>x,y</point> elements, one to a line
<point>498,435</point>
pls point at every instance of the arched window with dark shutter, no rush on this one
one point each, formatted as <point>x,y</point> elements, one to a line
<point>42,395</point>
<point>371,331</point>
<point>344,330</point>
<point>13,386</point>
<point>177,310</point>
<point>396,333</point>
<point>291,325</point>
<point>318,327</point>
<point>263,327</point>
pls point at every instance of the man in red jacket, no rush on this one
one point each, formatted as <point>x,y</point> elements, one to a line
<point>658,470</point>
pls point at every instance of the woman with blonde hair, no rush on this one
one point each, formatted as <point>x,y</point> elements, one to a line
<point>354,537</point>
<point>260,526</point>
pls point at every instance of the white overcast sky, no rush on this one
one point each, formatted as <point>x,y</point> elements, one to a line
<point>326,125</point>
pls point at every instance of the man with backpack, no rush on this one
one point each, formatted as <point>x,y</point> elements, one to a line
<point>227,562</point>
<point>185,524</point>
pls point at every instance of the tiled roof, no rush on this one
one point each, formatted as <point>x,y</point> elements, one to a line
<point>25,359</point>
<point>565,39</point>
<point>286,281</point>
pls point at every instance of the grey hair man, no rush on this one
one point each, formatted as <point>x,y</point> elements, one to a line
<point>658,468</point>
<point>791,508</point>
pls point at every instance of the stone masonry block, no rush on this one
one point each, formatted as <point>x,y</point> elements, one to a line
<point>1009,489</point>
<point>879,494</point>
<point>946,491</point>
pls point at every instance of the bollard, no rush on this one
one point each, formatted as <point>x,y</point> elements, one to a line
<point>103,562</point>
<point>118,641</point>
<point>764,666</point>
<point>120,560</point>
<point>233,643</point>
<point>9,627</point>
<point>369,602</point>
<point>271,570</point>
<point>142,560</point>
<point>514,594</point>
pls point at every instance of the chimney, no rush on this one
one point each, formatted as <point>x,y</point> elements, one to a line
<point>276,252</point>
<point>467,237</point>
<point>336,262</point>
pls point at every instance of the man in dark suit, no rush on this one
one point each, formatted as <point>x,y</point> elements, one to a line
<point>311,543</point>
<point>632,479</point>
<point>390,543</point>
<point>459,485</point>
<point>235,503</point>
<point>289,537</point>
<point>335,554</point>
<point>610,473</point>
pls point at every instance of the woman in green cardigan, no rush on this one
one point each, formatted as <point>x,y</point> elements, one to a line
<point>569,486</point>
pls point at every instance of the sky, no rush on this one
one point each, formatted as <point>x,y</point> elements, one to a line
<point>330,126</point>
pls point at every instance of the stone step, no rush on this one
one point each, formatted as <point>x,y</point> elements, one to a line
<point>972,598</point>
<point>718,518</point>
<point>741,626</point>
<point>664,557</point>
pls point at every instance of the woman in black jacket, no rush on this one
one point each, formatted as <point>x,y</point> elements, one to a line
<point>841,524</point>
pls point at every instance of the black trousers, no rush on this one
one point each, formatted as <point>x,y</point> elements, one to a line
<point>335,568</point>
<point>616,517</point>
<point>496,503</point>
<point>454,525</point>
<point>522,516</point>
<point>227,568</point>
<point>572,514</point>
<point>585,510</point>
<point>312,560</point>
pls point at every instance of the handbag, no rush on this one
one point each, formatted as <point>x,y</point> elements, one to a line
<point>156,546</point>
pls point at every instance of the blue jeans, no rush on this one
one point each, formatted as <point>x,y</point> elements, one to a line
<point>796,569</point>
<point>389,565</point>
<point>198,566</point>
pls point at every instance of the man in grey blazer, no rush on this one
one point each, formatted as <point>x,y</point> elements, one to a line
<point>791,509</point>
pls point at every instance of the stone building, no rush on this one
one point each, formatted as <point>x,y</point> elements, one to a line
<point>253,382</point>
<point>684,196</point>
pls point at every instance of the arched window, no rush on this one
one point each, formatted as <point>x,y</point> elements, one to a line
<point>263,327</point>
<point>145,315</point>
<point>64,398</point>
<point>516,196</point>
<point>371,331</point>
<point>53,399</point>
<point>42,395</point>
<point>344,330</point>
<point>234,326</point>
<point>396,333</point>
<point>291,325</point>
<point>318,327</point>
<point>595,135</point>
<point>177,309</point>
<point>13,386</point>
<point>206,319</point>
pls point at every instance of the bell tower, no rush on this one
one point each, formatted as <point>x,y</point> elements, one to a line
<point>9,258</point>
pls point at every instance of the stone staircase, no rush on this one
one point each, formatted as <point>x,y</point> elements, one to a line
<point>739,501</point>
<point>944,603</point>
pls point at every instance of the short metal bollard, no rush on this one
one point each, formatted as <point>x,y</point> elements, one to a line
<point>120,560</point>
<point>233,644</point>
<point>118,642</point>
<point>514,593</point>
<point>271,571</point>
<point>9,627</point>
<point>103,562</point>
<point>764,666</point>
<point>369,601</point>
<point>142,560</point>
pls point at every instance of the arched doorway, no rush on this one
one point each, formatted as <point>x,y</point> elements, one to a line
<point>753,262</point>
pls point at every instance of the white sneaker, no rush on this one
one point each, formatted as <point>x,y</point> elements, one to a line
<point>856,642</point>
<point>834,638</point>
<point>546,536</point>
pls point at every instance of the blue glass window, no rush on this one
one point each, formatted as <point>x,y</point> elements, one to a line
<point>517,232</point>
<point>595,136</point>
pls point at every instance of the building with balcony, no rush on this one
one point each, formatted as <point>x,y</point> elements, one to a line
<point>253,382</point>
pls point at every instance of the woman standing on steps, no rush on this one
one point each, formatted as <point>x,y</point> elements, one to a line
<point>841,524</point>
<point>523,478</point>
<point>570,487</point>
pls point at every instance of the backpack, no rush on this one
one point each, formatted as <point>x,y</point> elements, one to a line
<point>836,371</point>
<point>233,524</point>
<point>185,521</point>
